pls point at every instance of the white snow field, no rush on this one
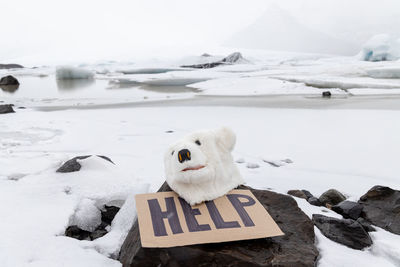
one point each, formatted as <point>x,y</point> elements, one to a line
<point>349,142</point>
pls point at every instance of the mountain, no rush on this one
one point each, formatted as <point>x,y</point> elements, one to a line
<point>276,29</point>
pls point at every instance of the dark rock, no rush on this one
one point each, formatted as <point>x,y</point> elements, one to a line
<point>77,233</point>
<point>297,193</point>
<point>108,214</point>
<point>344,231</point>
<point>10,66</point>
<point>9,88</point>
<point>73,165</point>
<point>230,59</point>
<point>233,58</point>
<point>348,209</point>
<point>295,248</point>
<point>206,55</point>
<point>169,131</point>
<point>315,201</point>
<point>307,193</point>
<point>332,197</point>
<point>326,94</point>
<point>98,233</point>
<point>382,208</point>
<point>9,80</point>
<point>6,109</point>
<point>204,66</point>
<point>366,225</point>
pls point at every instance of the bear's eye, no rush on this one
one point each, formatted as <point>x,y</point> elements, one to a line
<point>198,142</point>
<point>173,151</point>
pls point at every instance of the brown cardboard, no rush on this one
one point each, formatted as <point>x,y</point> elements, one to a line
<point>235,216</point>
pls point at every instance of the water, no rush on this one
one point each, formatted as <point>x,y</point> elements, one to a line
<point>49,88</point>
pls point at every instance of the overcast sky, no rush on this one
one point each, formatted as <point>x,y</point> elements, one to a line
<point>106,29</point>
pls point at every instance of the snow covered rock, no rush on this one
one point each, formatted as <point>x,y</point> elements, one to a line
<point>200,166</point>
<point>381,47</point>
<point>344,231</point>
<point>295,248</point>
<point>252,165</point>
<point>73,165</point>
<point>315,202</point>
<point>382,208</point>
<point>348,209</point>
<point>332,197</point>
<point>69,72</point>
<point>234,58</point>
<point>7,108</point>
<point>89,222</point>
<point>9,80</point>
<point>87,216</point>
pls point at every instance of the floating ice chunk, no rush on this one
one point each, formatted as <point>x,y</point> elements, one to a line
<point>384,73</point>
<point>174,81</point>
<point>69,72</point>
<point>150,70</point>
<point>381,47</point>
<point>87,216</point>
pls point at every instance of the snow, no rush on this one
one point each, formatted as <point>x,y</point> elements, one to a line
<point>87,216</point>
<point>381,47</point>
<point>255,86</point>
<point>348,142</point>
<point>318,148</point>
<point>70,72</point>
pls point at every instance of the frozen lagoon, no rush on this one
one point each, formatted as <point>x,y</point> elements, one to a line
<point>347,142</point>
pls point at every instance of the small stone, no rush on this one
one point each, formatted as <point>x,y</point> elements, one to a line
<point>307,193</point>
<point>73,165</point>
<point>344,231</point>
<point>366,225</point>
<point>77,233</point>
<point>332,197</point>
<point>251,165</point>
<point>9,80</point>
<point>240,160</point>
<point>315,201</point>
<point>382,208</point>
<point>4,109</point>
<point>297,193</point>
<point>108,214</point>
<point>348,209</point>
<point>98,233</point>
<point>326,94</point>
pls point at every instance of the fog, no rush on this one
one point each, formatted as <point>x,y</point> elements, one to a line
<point>56,31</point>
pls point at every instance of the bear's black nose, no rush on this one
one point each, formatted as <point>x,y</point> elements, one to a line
<point>183,155</point>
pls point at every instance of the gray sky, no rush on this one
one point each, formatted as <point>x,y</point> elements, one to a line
<point>64,29</point>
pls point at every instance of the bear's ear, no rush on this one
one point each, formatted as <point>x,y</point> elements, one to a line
<point>226,138</point>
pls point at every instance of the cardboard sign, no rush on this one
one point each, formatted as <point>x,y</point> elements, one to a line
<point>166,220</point>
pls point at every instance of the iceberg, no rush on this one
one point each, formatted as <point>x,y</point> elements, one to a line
<point>69,72</point>
<point>381,47</point>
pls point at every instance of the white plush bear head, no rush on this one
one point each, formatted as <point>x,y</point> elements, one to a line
<point>200,167</point>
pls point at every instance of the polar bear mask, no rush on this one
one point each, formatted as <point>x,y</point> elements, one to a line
<point>200,167</point>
